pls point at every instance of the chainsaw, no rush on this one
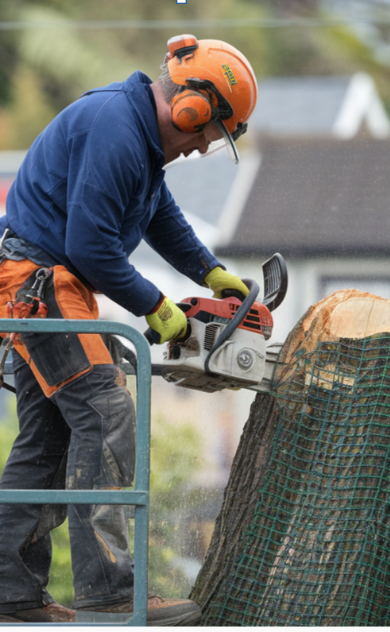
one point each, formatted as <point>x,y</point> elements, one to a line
<point>225,343</point>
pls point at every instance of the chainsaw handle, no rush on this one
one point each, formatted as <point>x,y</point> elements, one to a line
<point>154,338</point>
<point>235,293</point>
<point>149,335</point>
<point>238,318</point>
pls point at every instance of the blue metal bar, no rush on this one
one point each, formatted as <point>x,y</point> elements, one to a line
<point>73,497</point>
<point>140,495</point>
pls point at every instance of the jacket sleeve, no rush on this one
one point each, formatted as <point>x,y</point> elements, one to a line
<point>95,250</point>
<point>170,235</point>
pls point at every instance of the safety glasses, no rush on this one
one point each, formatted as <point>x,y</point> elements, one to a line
<point>225,142</point>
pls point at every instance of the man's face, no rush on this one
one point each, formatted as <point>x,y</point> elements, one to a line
<point>178,143</point>
<point>175,143</point>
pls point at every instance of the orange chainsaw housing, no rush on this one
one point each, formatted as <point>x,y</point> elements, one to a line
<point>258,319</point>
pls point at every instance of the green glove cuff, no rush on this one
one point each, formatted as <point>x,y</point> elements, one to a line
<point>168,321</point>
<point>219,280</point>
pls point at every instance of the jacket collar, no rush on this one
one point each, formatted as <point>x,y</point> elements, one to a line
<point>140,95</point>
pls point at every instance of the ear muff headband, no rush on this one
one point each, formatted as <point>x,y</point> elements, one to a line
<point>190,111</point>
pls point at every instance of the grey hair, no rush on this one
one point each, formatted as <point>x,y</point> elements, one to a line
<point>169,88</point>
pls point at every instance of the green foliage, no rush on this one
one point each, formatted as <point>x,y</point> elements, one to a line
<point>8,54</point>
<point>31,111</point>
<point>67,63</point>
<point>61,578</point>
<point>62,62</point>
<point>350,54</point>
<point>65,6</point>
<point>8,428</point>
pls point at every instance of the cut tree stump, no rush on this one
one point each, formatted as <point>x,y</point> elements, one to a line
<point>303,536</point>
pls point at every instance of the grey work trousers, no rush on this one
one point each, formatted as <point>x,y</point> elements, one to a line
<point>81,438</point>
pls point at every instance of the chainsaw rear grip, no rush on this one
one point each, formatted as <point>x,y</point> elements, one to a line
<point>153,337</point>
<point>168,320</point>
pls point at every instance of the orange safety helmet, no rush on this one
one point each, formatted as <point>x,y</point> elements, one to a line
<point>218,84</point>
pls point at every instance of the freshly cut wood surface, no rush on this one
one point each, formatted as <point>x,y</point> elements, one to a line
<point>344,314</point>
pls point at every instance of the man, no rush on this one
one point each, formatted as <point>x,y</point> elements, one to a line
<point>89,190</point>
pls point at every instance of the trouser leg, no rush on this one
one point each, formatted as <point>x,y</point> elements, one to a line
<point>101,455</point>
<point>37,461</point>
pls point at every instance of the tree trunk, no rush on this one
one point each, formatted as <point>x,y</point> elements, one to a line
<point>303,536</point>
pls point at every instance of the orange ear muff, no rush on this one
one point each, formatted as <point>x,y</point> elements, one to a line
<point>190,111</point>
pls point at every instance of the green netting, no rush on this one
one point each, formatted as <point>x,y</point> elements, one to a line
<point>318,549</point>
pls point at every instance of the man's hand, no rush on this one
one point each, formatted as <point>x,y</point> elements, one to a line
<point>167,320</point>
<point>219,280</point>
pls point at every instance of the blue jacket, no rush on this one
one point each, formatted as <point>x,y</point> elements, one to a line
<point>92,187</point>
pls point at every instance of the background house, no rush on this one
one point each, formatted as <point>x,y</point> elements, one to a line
<point>315,188</point>
<point>339,106</point>
<point>325,206</point>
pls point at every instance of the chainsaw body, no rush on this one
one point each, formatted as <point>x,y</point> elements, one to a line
<point>225,345</point>
<point>239,361</point>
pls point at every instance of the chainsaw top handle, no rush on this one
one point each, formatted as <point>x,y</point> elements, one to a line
<point>236,320</point>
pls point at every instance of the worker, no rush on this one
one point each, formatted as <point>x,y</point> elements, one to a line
<point>90,188</point>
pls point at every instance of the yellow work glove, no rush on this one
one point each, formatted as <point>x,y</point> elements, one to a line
<point>167,320</point>
<point>219,280</point>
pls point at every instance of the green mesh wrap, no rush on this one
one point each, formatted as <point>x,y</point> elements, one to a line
<point>318,549</point>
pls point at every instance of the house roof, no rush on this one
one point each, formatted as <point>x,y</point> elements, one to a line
<point>315,197</point>
<point>335,105</point>
<point>296,105</point>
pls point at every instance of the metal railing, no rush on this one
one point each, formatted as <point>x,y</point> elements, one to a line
<point>138,497</point>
